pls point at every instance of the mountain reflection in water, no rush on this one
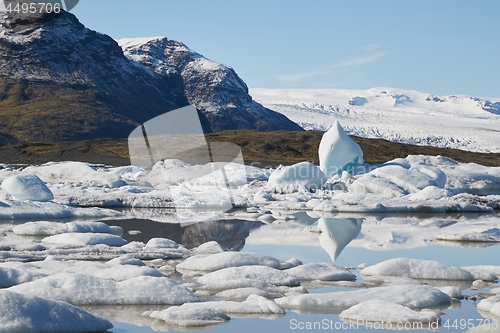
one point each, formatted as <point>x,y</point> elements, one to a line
<point>231,234</point>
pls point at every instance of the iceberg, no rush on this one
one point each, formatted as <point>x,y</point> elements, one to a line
<point>27,187</point>
<point>338,152</point>
<point>303,174</point>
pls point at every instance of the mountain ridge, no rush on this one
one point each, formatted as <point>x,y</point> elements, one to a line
<point>214,88</point>
<point>60,81</point>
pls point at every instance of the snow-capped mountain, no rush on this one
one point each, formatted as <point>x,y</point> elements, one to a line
<point>407,116</point>
<point>60,81</point>
<point>216,90</point>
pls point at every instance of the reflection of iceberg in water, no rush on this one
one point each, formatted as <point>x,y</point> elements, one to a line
<point>337,233</point>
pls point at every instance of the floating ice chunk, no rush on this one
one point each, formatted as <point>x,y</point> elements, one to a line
<point>323,271</point>
<point>484,269</point>
<point>423,269</point>
<point>80,239</point>
<point>162,243</point>
<point>413,296</point>
<point>27,187</point>
<point>45,228</point>
<point>82,289</point>
<point>247,276</point>
<point>430,193</point>
<point>23,314</point>
<point>230,259</point>
<point>474,178</point>
<point>12,276</point>
<point>301,174</point>
<point>126,260</point>
<point>491,304</point>
<point>110,271</point>
<point>76,172</point>
<point>338,152</point>
<point>452,291</point>
<point>495,291</point>
<point>253,305</point>
<point>491,235</point>
<point>187,315</point>
<point>370,183</point>
<point>242,293</point>
<point>294,261</point>
<point>211,247</point>
<point>383,311</point>
<point>396,177</point>
<point>44,210</point>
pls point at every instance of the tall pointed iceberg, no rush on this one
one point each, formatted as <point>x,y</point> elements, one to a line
<point>338,152</point>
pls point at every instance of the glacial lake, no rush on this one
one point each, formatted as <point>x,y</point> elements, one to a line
<point>343,239</point>
<point>357,239</point>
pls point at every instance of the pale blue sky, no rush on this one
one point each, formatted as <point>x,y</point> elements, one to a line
<point>439,47</point>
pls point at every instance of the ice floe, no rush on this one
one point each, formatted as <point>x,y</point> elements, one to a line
<point>80,289</point>
<point>80,239</point>
<point>44,210</point>
<point>27,187</point>
<point>383,311</point>
<point>10,276</point>
<point>253,305</point>
<point>222,260</point>
<point>303,174</point>
<point>46,228</point>
<point>423,269</point>
<point>262,277</point>
<point>491,305</point>
<point>413,296</point>
<point>321,271</point>
<point>490,235</point>
<point>21,313</point>
<point>452,291</point>
<point>243,293</point>
<point>186,315</point>
<point>211,247</point>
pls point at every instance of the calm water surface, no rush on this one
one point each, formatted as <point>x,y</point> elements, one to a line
<point>350,240</point>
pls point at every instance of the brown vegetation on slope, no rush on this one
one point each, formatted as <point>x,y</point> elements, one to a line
<point>264,149</point>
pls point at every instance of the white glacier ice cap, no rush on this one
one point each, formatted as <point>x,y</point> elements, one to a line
<point>338,152</point>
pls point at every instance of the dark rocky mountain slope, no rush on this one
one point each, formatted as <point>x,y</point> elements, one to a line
<point>215,89</point>
<point>60,81</point>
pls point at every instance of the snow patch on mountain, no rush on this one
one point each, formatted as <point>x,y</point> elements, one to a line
<point>215,89</point>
